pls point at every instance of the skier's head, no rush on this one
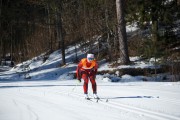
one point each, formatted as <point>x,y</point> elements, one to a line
<point>90,57</point>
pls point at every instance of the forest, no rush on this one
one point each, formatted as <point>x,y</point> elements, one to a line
<point>32,27</point>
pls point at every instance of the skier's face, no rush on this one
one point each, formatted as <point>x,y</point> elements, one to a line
<point>90,59</point>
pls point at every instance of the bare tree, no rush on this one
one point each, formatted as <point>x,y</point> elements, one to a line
<point>0,30</point>
<point>49,27</point>
<point>122,37</point>
<point>108,31</point>
<point>60,35</point>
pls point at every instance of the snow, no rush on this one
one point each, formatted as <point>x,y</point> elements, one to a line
<point>132,27</point>
<point>55,100</point>
<point>52,93</point>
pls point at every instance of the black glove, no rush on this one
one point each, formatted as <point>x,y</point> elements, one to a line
<point>79,79</point>
<point>94,76</point>
<point>92,70</point>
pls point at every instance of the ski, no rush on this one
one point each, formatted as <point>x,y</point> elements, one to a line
<point>92,99</point>
<point>102,100</point>
<point>88,98</point>
<point>97,99</point>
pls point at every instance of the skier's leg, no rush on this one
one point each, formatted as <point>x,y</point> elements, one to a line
<point>94,86</point>
<point>85,85</point>
<point>93,82</point>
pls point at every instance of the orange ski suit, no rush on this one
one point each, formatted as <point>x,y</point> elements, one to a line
<point>87,71</point>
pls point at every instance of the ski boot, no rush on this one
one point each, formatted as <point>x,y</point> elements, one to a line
<point>96,96</point>
<point>86,97</point>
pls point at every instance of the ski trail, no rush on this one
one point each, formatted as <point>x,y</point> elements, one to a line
<point>140,111</point>
<point>24,102</point>
<point>152,114</point>
<point>33,113</point>
<point>32,103</point>
<point>47,98</point>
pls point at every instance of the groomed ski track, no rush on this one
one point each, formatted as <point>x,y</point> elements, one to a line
<point>61,100</point>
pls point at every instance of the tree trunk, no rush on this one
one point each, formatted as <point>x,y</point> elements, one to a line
<point>1,41</point>
<point>122,37</point>
<point>178,2</point>
<point>108,31</point>
<point>154,22</point>
<point>154,27</point>
<point>49,28</point>
<point>60,33</point>
<point>11,44</point>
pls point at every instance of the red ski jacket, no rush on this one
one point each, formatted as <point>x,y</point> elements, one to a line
<point>87,67</point>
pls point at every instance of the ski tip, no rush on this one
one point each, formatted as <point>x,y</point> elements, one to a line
<point>87,99</point>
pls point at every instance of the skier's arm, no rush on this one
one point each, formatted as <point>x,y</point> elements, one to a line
<point>78,71</point>
<point>95,68</point>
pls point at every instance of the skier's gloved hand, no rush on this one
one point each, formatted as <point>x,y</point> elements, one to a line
<point>94,77</point>
<point>92,70</point>
<point>79,79</point>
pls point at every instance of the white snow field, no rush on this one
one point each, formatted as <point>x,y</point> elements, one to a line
<point>53,94</point>
<point>63,100</point>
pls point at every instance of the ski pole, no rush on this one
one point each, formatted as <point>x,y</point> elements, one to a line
<point>75,86</point>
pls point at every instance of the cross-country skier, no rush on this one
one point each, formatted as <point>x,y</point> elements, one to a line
<point>87,69</point>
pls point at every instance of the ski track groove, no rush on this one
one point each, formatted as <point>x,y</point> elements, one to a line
<point>17,103</point>
<point>153,114</point>
<point>31,112</point>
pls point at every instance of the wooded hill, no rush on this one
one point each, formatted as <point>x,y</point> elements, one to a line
<point>31,27</point>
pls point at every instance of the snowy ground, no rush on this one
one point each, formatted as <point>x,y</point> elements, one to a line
<point>55,100</point>
<point>53,94</point>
